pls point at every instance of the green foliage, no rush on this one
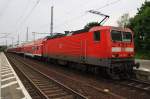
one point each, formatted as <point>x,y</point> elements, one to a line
<point>144,6</point>
<point>2,48</point>
<point>90,25</point>
<point>140,24</point>
<point>142,55</point>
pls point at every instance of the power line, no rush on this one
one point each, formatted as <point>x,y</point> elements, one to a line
<point>22,15</point>
<point>5,35</point>
<point>67,13</point>
<point>28,15</point>
<point>71,20</point>
<point>5,7</point>
<point>78,17</point>
<point>108,4</point>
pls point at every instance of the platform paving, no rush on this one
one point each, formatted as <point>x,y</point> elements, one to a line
<point>144,64</point>
<point>10,85</point>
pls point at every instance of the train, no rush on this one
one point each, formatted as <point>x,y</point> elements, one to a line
<point>106,49</point>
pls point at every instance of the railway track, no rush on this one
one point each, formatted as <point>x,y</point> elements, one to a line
<point>87,90</point>
<point>41,86</point>
<point>137,84</point>
<point>124,89</point>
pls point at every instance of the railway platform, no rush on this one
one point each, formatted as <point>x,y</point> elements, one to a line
<point>10,85</point>
<point>143,72</point>
<point>144,64</point>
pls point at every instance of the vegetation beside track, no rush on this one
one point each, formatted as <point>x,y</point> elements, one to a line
<point>143,55</point>
<point>2,48</point>
<point>140,24</point>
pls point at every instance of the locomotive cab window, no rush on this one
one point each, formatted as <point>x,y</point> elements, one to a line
<point>116,35</point>
<point>96,36</point>
<point>121,36</point>
<point>127,37</point>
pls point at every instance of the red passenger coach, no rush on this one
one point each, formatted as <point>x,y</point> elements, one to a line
<point>15,50</point>
<point>37,48</point>
<point>33,49</point>
<point>27,49</point>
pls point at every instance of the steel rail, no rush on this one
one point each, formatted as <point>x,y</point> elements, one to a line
<point>74,93</point>
<point>143,85</point>
<point>28,80</point>
<point>88,85</point>
<point>136,84</point>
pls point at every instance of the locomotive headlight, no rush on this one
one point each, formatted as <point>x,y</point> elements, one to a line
<point>128,49</point>
<point>115,55</point>
<point>116,49</point>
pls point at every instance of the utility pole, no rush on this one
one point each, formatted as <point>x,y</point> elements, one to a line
<point>6,42</point>
<point>18,38</point>
<point>51,25</point>
<point>6,35</point>
<point>12,41</point>
<point>33,35</point>
<point>27,34</point>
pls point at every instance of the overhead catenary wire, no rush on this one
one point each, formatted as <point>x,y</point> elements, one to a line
<point>27,16</point>
<point>70,20</point>
<point>22,15</point>
<point>78,17</point>
<point>30,12</point>
<point>108,4</point>
<point>5,7</point>
<point>67,13</point>
<point>5,35</point>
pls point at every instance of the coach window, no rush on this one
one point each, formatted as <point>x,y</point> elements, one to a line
<point>97,36</point>
<point>33,48</point>
<point>38,47</point>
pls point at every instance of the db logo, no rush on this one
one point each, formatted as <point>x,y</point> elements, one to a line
<point>60,45</point>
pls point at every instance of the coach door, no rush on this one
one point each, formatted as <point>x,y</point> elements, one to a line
<point>83,55</point>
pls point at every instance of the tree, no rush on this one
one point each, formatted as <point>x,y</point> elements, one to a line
<point>123,20</point>
<point>90,25</point>
<point>140,24</point>
<point>2,48</point>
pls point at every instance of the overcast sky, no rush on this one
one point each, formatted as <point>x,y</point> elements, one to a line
<point>17,15</point>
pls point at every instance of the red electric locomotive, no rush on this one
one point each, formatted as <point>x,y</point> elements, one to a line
<point>102,48</point>
<point>106,48</point>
